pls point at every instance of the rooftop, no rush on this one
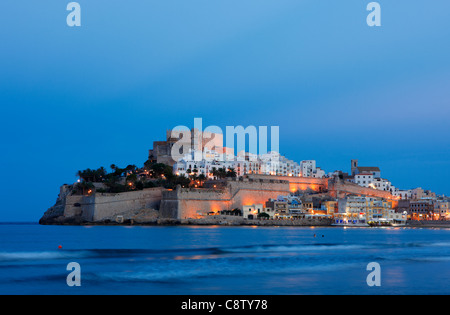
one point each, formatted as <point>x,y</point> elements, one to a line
<point>368,169</point>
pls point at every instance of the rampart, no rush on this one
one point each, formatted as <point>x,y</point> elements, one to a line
<point>190,203</point>
<point>339,189</point>
<point>103,205</point>
<point>184,203</point>
<point>297,183</point>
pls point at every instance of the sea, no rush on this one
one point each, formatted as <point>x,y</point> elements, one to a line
<point>222,260</point>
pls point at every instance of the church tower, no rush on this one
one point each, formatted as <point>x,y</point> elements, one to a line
<point>354,167</point>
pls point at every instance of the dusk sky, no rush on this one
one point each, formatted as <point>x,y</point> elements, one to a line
<point>73,98</point>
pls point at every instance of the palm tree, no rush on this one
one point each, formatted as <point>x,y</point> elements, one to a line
<point>219,173</point>
<point>85,187</point>
<point>201,179</point>
<point>131,178</point>
<point>231,172</point>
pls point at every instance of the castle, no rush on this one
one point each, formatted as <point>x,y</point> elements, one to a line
<point>191,203</point>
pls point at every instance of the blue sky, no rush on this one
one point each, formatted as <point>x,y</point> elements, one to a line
<point>73,98</point>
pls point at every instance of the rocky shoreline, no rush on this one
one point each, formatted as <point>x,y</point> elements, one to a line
<point>149,217</point>
<point>429,224</point>
<point>145,218</point>
<point>77,221</point>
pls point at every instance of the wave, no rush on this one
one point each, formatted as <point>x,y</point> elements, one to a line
<point>47,255</point>
<point>128,253</point>
<point>291,248</point>
<point>216,271</point>
<point>96,253</point>
<point>441,244</point>
<point>429,259</point>
<point>205,251</point>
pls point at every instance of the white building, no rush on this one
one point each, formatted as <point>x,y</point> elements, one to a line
<point>364,180</point>
<point>308,167</point>
<point>252,211</point>
<point>271,163</point>
<point>318,173</point>
<point>386,185</point>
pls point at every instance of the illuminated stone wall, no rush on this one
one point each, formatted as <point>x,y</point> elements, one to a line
<point>340,188</point>
<point>297,183</point>
<point>100,206</point>
<point>185,203</point>
<point>107,205</point>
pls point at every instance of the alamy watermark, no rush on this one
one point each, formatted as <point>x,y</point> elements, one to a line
<point>74,277</point>
<point>374,17</point>
<point>374,277</point>
<point>200,141</point>
<point>74,17</point>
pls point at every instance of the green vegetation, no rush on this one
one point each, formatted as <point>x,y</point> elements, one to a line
<point>130,178</point>
<point>237,211</point>
<point>223,173</point>
<point>84,188</point>
<point>94,176</point>
<point>263,215</point>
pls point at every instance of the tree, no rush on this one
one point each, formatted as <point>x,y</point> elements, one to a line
<point>263,215</point>
<point>132,178</point>
<point>201,179</point>
<point>231,172</point>
<point>95,176</point>
<point>237,212</point>
<point>219,173</point>
<point>139,185</point>
<point>159,169</point>
<point>131,168</point>
<point>84,187</point>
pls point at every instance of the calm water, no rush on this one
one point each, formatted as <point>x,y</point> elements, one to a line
<point>223,260</point>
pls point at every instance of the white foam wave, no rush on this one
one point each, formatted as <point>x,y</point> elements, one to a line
<point>29,256</point>
<point>294,248</point>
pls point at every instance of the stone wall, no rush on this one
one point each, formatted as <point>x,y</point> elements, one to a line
<point>297,183</point>
<point>184,203</point>
<point>255,191</point>
<point>79,206</point>
<point>107,205</point>
<point>189,203</point>
<point>340,188</point>
<point>101,206</point>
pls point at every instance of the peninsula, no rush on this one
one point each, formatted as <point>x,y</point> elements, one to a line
<point>252,190</point>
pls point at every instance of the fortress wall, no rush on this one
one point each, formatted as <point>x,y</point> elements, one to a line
<point>340,188</point>
<point>107,205</point>
<point>297,183</point>
<point>192,208</point>
<point>256,192</point>
<point>85,209</point>
<point>189,203</point>
<point>169,209</point>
